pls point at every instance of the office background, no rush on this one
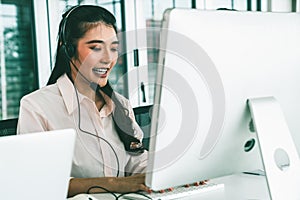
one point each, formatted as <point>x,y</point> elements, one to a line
<point>28,39</point>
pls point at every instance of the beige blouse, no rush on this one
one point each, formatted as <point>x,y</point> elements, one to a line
<point>56,107</point>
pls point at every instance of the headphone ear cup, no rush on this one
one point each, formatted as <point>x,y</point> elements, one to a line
<point>69,50</point>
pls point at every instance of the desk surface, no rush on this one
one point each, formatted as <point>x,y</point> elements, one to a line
<point>237,187</point>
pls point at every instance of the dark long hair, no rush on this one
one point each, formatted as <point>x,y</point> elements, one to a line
<point>75,23</point>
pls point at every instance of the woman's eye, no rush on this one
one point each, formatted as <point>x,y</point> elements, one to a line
<point>114,49</point>
<point>96,48</point>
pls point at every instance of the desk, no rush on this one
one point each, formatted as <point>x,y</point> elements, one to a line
<point>237,187</point>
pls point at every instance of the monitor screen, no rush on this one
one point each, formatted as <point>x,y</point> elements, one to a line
<point>210,64</point>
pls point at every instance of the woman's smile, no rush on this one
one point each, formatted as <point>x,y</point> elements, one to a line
<point>100,71</point>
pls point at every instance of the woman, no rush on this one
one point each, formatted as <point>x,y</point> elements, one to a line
<point>108,153</point>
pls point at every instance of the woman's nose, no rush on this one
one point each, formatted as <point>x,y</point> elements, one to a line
<point>106,56</point>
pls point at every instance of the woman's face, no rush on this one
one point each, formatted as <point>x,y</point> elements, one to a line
<point>97,53</point>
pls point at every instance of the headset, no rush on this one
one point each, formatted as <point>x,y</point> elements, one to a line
<point>69,49</point>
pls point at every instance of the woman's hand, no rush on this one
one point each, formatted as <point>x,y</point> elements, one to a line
<point>129,184</point>
<point>113,184</point>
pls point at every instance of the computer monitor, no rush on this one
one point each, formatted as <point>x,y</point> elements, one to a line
<point>210,64</point>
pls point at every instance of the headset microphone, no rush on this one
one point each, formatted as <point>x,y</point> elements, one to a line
<point>92,84</point>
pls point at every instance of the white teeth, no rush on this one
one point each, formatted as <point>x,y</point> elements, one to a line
<point>100,71</point>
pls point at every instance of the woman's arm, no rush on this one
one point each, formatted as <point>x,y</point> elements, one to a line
<point>30,118</point>
<point>112,184</point>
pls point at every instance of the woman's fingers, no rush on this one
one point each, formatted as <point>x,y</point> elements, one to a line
<point>145,188</point>
<point>197,183</point>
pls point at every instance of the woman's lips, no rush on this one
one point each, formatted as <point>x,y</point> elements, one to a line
<point>100,71</point>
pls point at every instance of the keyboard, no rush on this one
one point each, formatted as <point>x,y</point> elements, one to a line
<point>178,192</point>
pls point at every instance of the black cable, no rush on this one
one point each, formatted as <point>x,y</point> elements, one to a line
<point>79,122</point>
<point>114,194</point>
<point>139,193</point>
<point>99,187</point>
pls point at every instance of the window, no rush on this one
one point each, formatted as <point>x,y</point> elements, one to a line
<point>17,55</point>
<point>28,38</point>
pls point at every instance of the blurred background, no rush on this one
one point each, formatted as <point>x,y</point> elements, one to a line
<point>28,39</point>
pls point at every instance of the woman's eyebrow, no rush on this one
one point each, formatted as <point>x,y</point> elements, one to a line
<point>101,42</point>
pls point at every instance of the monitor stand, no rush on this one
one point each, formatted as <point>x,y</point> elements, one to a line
<point>278,152</point>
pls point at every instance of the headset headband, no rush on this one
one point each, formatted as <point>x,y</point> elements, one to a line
<point>64,24</point>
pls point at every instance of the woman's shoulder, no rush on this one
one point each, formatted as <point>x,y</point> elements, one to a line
<point>42,93</point>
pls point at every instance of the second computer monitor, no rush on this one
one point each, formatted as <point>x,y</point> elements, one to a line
<point>210,64</point>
